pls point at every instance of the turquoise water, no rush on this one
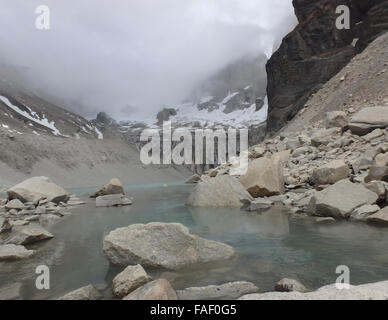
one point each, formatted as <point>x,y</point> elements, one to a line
<point>270,246</point>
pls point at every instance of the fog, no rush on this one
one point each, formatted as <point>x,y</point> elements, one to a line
<point>130,58</point>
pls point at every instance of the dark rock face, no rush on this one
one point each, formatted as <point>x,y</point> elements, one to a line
<point>316,50</point>
<point>165,115</point>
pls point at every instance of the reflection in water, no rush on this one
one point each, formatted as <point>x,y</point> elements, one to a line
<point>269,246</point>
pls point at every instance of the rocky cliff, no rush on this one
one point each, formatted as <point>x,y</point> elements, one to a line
<point>316,50</point>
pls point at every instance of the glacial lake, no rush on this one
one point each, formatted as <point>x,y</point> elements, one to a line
<point>271,246</point>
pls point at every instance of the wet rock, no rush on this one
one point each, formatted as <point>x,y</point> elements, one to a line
<point>380,217</point>
<point>33,189</point>
<point>340,200</point>
<point>364,212</point>
<point>260,204</point>
<point>370,291</point>
<point>164,245</point>
<point>193,179</point>
<point>331,173</point>
<point>12,252</point>
<point>325,220</point>
<point>222,191</point>
<point>130,279</point>
<point>264,178</point>
<point>28,234</point>
<point>113,200</point>
<point>84,293</point>
<point>114,186</point>
<point>156,290</point>
<point>227,291</point>
<point>369,119</point>
<point>11,291</point>
<point>289,285</point>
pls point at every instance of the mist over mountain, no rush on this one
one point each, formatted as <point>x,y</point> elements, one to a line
<point>130,58</point>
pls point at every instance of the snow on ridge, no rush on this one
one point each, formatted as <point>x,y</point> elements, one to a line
<point>99,134</point>
<point>33,116</point>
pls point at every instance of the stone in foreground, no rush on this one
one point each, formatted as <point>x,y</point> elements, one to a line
<point>113,200</point>
<point>289,285</point>
<point>33,189</point>
<point>84,293</point>
<point>114,186</point>
<point>220,192</point>
<point>14,204</point>
<point>130,279</point>
<point>28,234</point>
<point>370,291</point>
<point>12,252</point>
<point>156,290</point>
<point>340,199</point>
<point>227,291</point>
<point>377,174</point>
<point>163,245</point>
<point>264,177</point>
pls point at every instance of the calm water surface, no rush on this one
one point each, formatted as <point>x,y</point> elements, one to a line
<point>270,246</point>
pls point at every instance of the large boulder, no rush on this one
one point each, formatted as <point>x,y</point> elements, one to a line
<point>130,279</point>
<point>331,173</point>
<point>165,245</point>
<point>156,290</point>
<point>370,291</point>
<point>33,189</point>
<point>23,235</point>
<point>380,217</point>
<point>340,199</point>
<point>221,191</point>
<point>227,291</point>
<point>264,177</point>
<point>113,200</point>
<point>114,186</point>
<point>369,119</point>
<point>84,293</point>
<point>11,252</point>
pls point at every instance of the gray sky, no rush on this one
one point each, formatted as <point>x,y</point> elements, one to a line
<point>111,54</point>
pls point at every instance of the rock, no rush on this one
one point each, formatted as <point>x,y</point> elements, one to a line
<point>264,178</point>
<point>156,290</point>
<point>370,291</point>
<point>373,135</point>
<point>163,245</point>
<point>48,220</point>
<point>75,202</point>
<point>331,173</point>
<point>4,225</point>
<point>323,136</point>
<point>227,291</point>
<point>260,204</point>
<point>40,210</point>
<point>19,223</point>
<point>84,293</point>
<point>381,160</point>
<point>114,186</point>
<point>289,285</point>
<point>336,119</point>
<point>113,200</point>
<point>12,252</point>
<point>258,151</point>
<point>325,220</point>
<point>380,188</point>
<point>33,189</point>
<point>380,217</point>
<point>11,291</point>
<point>362,163</point>
<point>165,115</point>
<point>369,119</point>
<point>221,191</point>
<point>340,199</point>
<point>362,213</point>
<point>377,173</point>
<point>130,279</point>
<point>28,234</point>
<point>14,204</point>
<point>193,179</point>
